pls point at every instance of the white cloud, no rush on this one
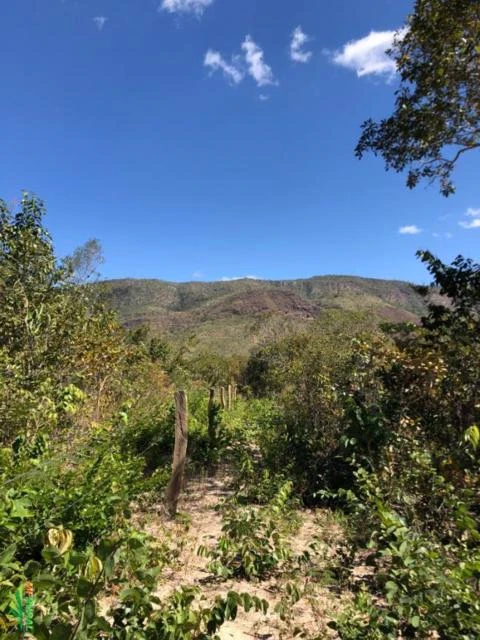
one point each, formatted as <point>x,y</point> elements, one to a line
<point>410,230</point>
<point>297,51</point>
<point>367,56</point>
<point>446,235</point>
<point>215,61</point>
<point>473,213</point>
<point>472,224</point>
<point>197,275</point>
<point>236,70</point>
<point>260,71</point>
<point>100,22</point>
<point>186,6</point>
<point>231,279</point>
<point>263,98</point>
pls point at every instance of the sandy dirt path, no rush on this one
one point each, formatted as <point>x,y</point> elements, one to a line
<point>200,524</point>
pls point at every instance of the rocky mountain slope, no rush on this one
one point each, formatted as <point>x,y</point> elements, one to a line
<point>233,316</point>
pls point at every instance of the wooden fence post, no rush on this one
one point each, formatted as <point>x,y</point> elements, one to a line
<point>180,452</point>
<point>211,417</point>
<point>234,392</point>
<point>229,397</point>
<point>222,397</point>
<point>213,408</point>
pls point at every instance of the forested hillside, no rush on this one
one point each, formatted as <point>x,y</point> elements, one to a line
<point>232,317</point>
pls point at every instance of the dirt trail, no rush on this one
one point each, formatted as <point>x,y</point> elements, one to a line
<point>199,523</point>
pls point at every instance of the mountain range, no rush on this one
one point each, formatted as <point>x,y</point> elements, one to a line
<point>231,317</point>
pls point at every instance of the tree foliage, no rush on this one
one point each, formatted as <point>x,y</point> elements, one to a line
<point>437,110</point>
<point>84,261</point>
<point>55,335</point>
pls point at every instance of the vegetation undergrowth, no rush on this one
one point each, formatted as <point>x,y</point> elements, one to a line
<point>254,540</point>
<point>381,424</point>
<point>87,431</point>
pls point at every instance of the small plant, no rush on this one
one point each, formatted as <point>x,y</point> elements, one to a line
<point>365,620</point>
<point>180,617</point>
<point>291,595</point>
<point>22,608</point>
<point>254,483</point>
<point>254,541</point>
<point>425,587</point>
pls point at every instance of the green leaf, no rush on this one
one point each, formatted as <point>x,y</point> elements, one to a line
<point>77,559</point>
<point>472,436</point>
<point>391,586</point>
<point>415,621</point>
<point>8,554</point>
<point>20,508</point>
<point>32,568</point>
<point>84,588</point>
<point>44,581</point>
<point>41,632</point>
<point>61,631</point>
<point>90,611</point>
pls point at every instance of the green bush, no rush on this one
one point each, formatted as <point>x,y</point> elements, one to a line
<point>426,587</point>
<point>253,541</point>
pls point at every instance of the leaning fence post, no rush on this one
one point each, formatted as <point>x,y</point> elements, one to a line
<point>180,452</point>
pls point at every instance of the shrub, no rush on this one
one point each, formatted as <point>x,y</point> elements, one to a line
<point>253,540</point>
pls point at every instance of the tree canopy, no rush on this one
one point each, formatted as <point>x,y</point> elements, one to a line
<point>437,109</point>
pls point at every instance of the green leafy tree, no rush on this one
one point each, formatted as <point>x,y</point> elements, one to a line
<point>451,337</point>
<point>30,296</point>
<point>309,375</point>
<point>437,111</point>
<point>54,332</point>
<point>460,284</point>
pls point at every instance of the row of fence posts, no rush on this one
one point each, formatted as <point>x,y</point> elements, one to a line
<point>226,399</point>
<point>226,402</point>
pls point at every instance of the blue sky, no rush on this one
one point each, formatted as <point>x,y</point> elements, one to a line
<point>201,139</point>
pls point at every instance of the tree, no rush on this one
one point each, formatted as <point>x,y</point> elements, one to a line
<point>459,282</point>
<point>437,110</point>
<point>435,379</point>
<point>30,285</point>
<point>84,261</point>
<point>55,335</point>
